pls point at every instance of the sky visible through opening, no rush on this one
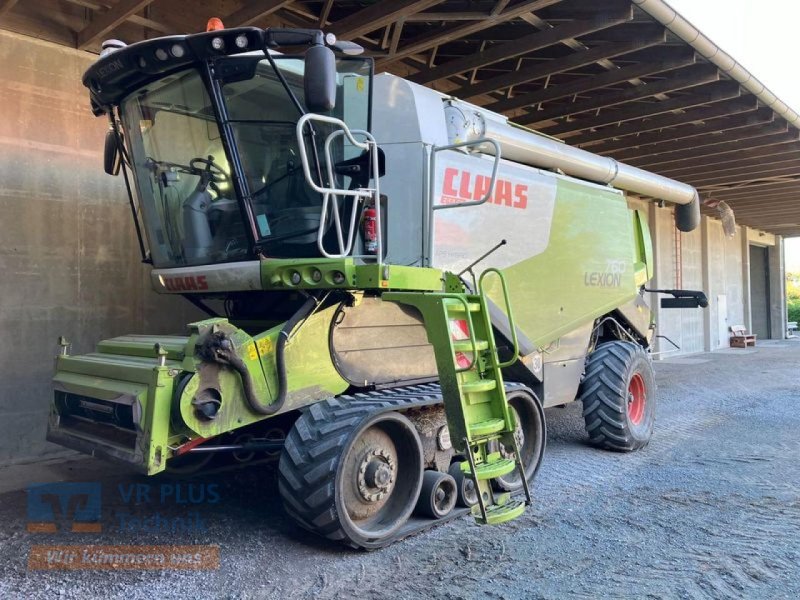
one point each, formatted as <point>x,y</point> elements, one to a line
<point>762,35</point>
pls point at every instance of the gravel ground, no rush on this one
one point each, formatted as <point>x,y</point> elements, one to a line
<point>710,509</point>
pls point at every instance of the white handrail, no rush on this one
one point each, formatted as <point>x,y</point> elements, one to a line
<point>369,145</point>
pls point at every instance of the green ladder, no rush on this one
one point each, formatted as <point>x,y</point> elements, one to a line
<point>478,416</point>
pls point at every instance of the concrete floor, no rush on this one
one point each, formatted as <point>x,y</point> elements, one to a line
<point>711,509</point>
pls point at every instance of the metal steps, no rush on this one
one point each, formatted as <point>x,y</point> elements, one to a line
<point>470,373</point>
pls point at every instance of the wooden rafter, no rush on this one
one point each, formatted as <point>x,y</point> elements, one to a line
<point>726,148</point>
<point>151,24</point>
<point>680,79</point>
<point>756,174</point>
<point>524,45</point>
<point>670,145</point>
<point>426,42</point>
<point>378,15</point>
<point>679,59</point>
<point>692,130</point>
<point>714,92</point>
<point>765,153</point>
<point>715,110</point>
<point>254,11</point>
<point>554,67</point>
<point>109,20</point>
<point>6,6</point>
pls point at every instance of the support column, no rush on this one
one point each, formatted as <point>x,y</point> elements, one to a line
<point>777,290</point>
<point>746,306</point>
<point>705,265</point>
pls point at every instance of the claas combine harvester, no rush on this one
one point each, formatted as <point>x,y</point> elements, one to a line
<point>397,283</point>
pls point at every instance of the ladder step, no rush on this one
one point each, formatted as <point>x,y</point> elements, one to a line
<point>454,306</point>
<point>481,385</point>
<point>466,345</point>
<point>500,513</point>
<point>484,428</point>
<point>494,469</point>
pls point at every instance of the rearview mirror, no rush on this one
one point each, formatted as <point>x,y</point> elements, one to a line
<point>319,81</point>
<point>112,157</point>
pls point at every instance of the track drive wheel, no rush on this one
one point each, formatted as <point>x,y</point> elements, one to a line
<point>438,495</point>
<point>530,435</point>
<point>619,397</point>
<point>348,479</point>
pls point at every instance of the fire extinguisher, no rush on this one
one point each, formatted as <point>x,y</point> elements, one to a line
<point>370,228</point>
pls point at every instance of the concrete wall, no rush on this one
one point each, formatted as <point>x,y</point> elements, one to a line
<point>706,259</point>
<point>69,261</point>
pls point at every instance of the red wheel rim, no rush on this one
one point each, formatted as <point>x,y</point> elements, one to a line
<point>637,399</point>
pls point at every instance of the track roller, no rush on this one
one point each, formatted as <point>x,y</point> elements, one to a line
<point>438,495</point>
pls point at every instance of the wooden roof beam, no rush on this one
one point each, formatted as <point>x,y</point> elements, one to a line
<point>707,161</point>
<point>680,58</point>
<point>667,148</point>
<point>714,92</point>
<point>754,117</point>
<point>713,111</point>
<point>448,34</point>
<point>734,146</point>
<point>767,205</point>
<point>734,166</point>
<point>757,174</point>
<point>554,67</point>
<point>376,16</point>
<point>152,24</point>
<point>254,11</point>
<point>6,6</point>
<point>679,80</point>
<point>107,21</point>
<point>767,189</point>
<point>523,45</point>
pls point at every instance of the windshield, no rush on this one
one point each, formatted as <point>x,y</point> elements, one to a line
<point>263,119</point>
<point>190,211</point>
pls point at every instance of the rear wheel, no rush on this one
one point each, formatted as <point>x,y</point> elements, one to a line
<point>619,397</point>
<point>348,481</point>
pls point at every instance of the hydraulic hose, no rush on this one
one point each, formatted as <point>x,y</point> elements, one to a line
<point>218,348</point>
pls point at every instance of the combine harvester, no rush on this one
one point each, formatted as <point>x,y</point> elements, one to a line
<point>331,224</point>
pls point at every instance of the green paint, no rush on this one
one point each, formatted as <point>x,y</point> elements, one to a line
<point>470,375</point>
<point>344,273</point>
<point>588,268</point>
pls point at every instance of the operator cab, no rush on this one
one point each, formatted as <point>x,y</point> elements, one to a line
<point>209,130</point>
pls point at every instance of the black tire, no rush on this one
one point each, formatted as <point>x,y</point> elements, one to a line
<point>619,397</point>
<point>531,431</point>
<point>466,497</point>
<point>438,495</point>
<point>319,484</point>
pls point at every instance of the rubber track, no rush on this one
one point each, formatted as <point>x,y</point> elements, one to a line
<point>308,464</point>
<point>604,396</point>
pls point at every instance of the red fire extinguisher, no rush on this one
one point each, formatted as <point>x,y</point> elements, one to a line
<point>370,225</point>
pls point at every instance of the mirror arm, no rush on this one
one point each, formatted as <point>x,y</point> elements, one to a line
<point>124,164</point>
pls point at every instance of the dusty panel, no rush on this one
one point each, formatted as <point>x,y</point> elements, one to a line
<point>69,261</point>
<point>381,342</point>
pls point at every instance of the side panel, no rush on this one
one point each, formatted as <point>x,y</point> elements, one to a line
<point>563,270</point>
<point>381,342</point>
